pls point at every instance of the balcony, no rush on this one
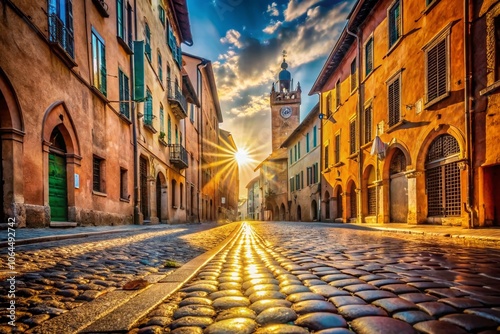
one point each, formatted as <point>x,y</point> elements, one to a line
<point>178,156</point>
<point>62,40</point>
<point>177,100</point>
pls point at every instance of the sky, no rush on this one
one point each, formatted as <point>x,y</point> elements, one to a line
<point>245,41</point>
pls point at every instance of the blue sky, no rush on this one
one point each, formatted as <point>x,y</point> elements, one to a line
<point>244,40</point>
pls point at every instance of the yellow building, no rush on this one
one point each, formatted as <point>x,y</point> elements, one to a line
<point>393,127</point>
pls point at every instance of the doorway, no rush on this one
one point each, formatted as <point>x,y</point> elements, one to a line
<point>143,170</point>
<point>58,187</point>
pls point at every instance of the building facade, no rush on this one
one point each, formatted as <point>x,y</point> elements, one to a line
<point>228,179</point>
<point>253,200</point>
<point>394,132</point>
<point>67,140</point>
<point>304,155</point>
<point>484,69</point>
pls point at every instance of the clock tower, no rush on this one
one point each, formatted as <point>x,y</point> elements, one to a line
<point>285,106</point>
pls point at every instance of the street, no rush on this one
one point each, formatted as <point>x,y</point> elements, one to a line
<point>271,277</point>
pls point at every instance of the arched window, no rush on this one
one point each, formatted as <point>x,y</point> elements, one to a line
<point>443,177</point>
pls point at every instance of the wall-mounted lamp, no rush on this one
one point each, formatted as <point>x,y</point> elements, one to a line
<point>330,118</point>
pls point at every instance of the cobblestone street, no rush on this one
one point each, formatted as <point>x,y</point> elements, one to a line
<point>269,278</point>
<point>301,278</point>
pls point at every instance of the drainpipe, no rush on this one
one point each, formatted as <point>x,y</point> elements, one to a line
<point>468,116</point>
<point>320,157</point>
<point>199,86</point>
<point>134,133</point>
<point>359,214</point>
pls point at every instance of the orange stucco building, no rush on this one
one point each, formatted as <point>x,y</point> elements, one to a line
<point>394,131</point>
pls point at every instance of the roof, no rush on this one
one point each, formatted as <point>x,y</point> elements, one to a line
<point>358,14</point>
<point>311,116</point>
<point>228,138</point>
<point>182,17</point>
<point>253,181</point>
<point>211,81</point>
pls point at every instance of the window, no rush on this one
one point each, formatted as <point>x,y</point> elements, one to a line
<point>191,112</point>
<point>368,116</point>
<point>61,24</point>
<point>338,96</point>
<point>160,68</point>
<point>298,149</point>
<point>354,81</point>
<point>148,109</point>
<point>436,59</point>
<point>295,152</point>
<point>174,199</point>
<point>176,134</point>
<point>124,184</point>
<point>123,87</point>
<point>301,179</point>
<point>309,172</point>
<point>292,185</point>
<point>337,148</point>
<point>297,181</point>
<point>326,156</point>
<point>161,15</point>
<point>394,100</point>
<point>162,121</point>
<point>98,174</point>
<point>307,143</point>
<point>442,177</point>
<point>181,195</point>
<point>98,62</point>
<point>315,136</point>
<point>369,56</point>
<point>124,26</point>
<point>352,136</point>
<point>328,105</point>
<point>291,156</point>
<point>315,173</point>
<point>169,130</point>
<point>395,23</point>
<point>147,36</point>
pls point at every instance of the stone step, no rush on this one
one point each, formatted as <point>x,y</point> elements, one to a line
<point>63,224</point>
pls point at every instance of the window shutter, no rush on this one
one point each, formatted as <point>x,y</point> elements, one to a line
<point>103,68</point>
<point>139,79</point>
<point>352,137</point>
<point>369,57</point>
<point>394,102</point>
<point>368,125</point>
<point>436,71</point>
<point>69,4</point>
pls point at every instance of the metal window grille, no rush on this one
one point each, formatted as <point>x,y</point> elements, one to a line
<point>369,56</point>
<point>437,71</point>
<point>395,28</point>
<point>443,180</point>
<point>394,102</point>
<point>96,177</point>
<point>368,125</point>
<point>372,200</point>
<point>398,163</point>
<point>352,137</point>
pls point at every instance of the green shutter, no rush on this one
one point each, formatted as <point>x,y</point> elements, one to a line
<point>139,79</point>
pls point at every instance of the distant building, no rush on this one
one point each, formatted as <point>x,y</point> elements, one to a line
<point>392,93</point>
<point>285,114</point>
<point>304,155</point>
<point>243,209</point>
<point>228,179</point>
<point>254,199</point>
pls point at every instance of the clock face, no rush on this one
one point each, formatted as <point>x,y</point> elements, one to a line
<point>286,112</point>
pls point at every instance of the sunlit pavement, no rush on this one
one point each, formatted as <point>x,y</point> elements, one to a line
<point>269,278</point>
<point>303,278</point>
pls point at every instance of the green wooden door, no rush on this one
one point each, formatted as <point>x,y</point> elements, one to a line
<point>58,199</point>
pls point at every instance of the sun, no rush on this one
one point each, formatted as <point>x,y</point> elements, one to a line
<point>241,156</point>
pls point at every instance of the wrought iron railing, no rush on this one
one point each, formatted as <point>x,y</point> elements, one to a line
<point>59,33</point>
<point>179,155</point>
<point>175,94</point>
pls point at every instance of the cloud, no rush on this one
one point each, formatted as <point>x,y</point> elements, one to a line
<point>271,28</point>
<point>297,8</point>
<point>232,37</point>
<point>272,9</point>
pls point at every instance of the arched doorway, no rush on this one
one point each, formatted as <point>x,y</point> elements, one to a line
<point>143,176</point>
<point>314,210</point>
<point>161,198</point>
<point>398,188</point>
<point>327,205</point>
<point>282,212</point>
<point>442,177</point>
<point>58,187</point>
<point>338,201</point>
<point>353,207</point>
<point>299,213</point>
